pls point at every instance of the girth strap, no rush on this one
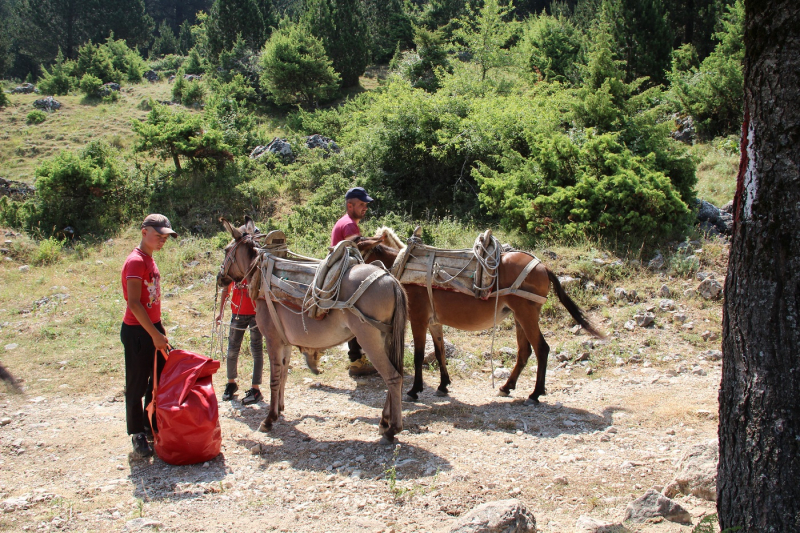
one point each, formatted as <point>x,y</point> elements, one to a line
<point>515,287</point>
<point>271,306</point>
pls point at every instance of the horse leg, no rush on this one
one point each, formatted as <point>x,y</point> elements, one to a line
<point>418,331</point>
<point>287,354</point>
<point>441,356</point>
<point>542,351</point>
<point>275,350</point>
<point>375,345</point>
<point>523,354</point>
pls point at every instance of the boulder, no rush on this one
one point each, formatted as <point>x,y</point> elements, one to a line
<point>697,474</point>
<point>684,129</point>
<point>567,281</point>
<point>430,354</point>
<point>109,88</point>
<point>504,516</point>
<point>318,141</point>
<point>277,146</point>
<point>15,189</point>
<point>47,103</point>
<point>25,88</point>
<point>666,304</point>
<point>653,505</point>
<point>727,208</point>
<point>644,319</point>
<point>657,262</point>
<point>712,219</point>
<point>192,77</point>
<point>664,291</point>
<point>151,76</point>
<point>710,289</point>
<point>587,524</point>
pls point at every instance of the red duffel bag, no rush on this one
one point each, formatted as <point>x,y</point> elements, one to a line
<point>187,418</point>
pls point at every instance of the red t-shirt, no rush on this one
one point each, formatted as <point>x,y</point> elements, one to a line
<point>241,304</point>
<point>345,227</point>
<point>141,266</point>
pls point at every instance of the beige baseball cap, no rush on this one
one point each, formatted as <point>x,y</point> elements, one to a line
<point>160,223</point>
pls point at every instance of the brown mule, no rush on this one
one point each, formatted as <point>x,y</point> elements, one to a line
<point>465,312</point>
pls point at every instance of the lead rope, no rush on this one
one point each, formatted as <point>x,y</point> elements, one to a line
<point>494,328</point>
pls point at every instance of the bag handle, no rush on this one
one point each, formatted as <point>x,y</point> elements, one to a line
<point>151,407</point>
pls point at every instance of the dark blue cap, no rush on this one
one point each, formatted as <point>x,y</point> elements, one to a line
<point>358,193</point>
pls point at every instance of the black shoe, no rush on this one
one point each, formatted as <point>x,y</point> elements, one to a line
<point>148,433</point>
<point>230,388</point>
<point>141,447</point>
<point>252,396</point>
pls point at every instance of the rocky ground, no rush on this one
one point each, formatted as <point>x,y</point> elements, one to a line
<point>591,447</point>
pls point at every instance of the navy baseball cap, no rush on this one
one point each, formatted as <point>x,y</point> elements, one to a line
<point>358,193</point>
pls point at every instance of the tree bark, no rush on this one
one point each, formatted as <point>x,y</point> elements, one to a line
<point>759,434</point>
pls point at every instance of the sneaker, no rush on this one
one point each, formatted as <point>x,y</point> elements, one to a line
<point>362,367</point>
<point>230,389</point>
<point>252,396</point>
<point>141,447</point>
<point>148,433</point>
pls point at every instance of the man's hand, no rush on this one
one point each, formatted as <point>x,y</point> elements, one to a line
<point>219,317</point>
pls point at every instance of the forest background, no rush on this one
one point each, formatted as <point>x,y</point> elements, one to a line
<point>548,119</point>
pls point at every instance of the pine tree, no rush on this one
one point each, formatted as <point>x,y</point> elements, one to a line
<point>295,69</point>
<point>185,38</point>
<point>165,43</point>
<point>341,27</point>
<point>388,26</point>
<point>251,19</point>
<point>485,33</point>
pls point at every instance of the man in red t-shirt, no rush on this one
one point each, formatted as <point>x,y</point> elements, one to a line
<point>243,317</point>
<point>142,333</point>
<point>356,204</point>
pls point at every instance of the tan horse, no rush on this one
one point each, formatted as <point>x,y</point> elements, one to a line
<point>383,302</point>
<point>465,312</point>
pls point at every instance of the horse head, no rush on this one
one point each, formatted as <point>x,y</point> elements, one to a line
<point>384,246</point>
<point>240,253</point>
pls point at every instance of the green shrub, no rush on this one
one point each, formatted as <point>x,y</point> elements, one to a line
<point>4,101</point>
<point>111,97</point>
<point>295,69</point>
<point>713,92</point>
<point>36,117</point>
<point>168,65</point>
<point>178,87</point>
<point>193,93</point>
<point>48,251</point>
<point>419,67</point>
<point>90,85</point>
<point>194,64</point>
<point>549,48</point>
<point>59,80</point>
<point>86,190</point>
<point>96,60</point>
<point>125,60</point>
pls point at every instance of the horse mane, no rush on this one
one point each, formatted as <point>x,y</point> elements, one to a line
<point>390,238</point>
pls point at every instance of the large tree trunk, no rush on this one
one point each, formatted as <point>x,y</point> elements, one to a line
<point>759,432</point>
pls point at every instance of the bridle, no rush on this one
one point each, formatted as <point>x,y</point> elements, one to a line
<point>223,275</point>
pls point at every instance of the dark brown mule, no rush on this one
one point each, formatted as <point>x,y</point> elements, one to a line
<point>468,313</point>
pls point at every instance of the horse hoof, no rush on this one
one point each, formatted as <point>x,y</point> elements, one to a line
<point>265,427</point>
<point>503,393</point>
<point>412,396</point>
<point>531,401</point>
<point>387,440</point>
<point>441,393</point>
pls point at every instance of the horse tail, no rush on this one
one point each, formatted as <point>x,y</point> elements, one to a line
<point>6,376</point>
<point>573,309</point>
<point>396,343</point>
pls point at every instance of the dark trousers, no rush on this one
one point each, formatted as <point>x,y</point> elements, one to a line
<point>139,353</point>
<point>354,350</point>
<point>239,323</point>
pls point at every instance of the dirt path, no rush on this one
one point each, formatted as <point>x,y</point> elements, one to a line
<point>590,447</point>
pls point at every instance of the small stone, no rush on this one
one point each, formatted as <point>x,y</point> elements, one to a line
<point>24,268</point>
<point>5,421</point>
<point>656,263</point>
<point>562,356</point>
<point>589,371</point>
<point>12,346</point>
<point>710,289</point>
<point>653,505</point>
<point>255,450</point>
<point>680,318</point>
<point>587,524</point>
<point>703,275</point>
<point>502,373</point>
<point>664,291</point>
<point>504,515</point>
<point>576,329</point>
<point>714,355</point>
<point>630,325</point>
<point>620,293</point>
<point>689,293</point>
<point>138,524</point>
<point>698,371</point>
<point>644,319</point>
<point>666,305</point>
<point>632,295</point>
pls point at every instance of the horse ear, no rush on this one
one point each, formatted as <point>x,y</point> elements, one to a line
<point>250,225</point>
<point>235,233</point>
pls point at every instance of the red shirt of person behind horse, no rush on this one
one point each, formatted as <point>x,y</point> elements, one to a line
<point>356,205</point>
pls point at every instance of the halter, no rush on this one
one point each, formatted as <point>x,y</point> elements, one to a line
<point>229,258</point>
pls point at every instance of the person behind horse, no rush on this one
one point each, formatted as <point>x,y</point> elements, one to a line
<point>142,333</point>
<point>243,317</point>
<point>356,204</point>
